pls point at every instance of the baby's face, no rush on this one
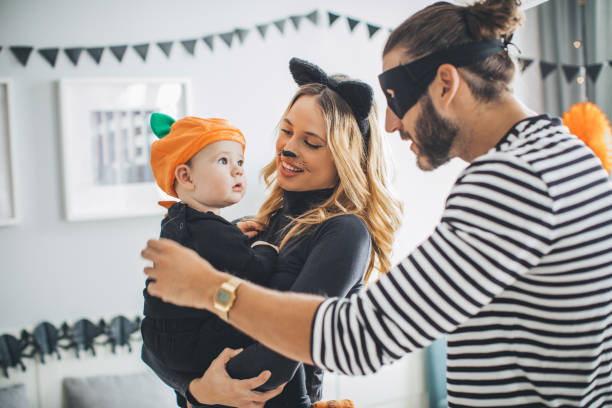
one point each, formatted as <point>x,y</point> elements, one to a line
<point>217,173</point>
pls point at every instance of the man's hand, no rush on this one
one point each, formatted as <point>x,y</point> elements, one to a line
<point>179,274</point>
<point>216,387</point>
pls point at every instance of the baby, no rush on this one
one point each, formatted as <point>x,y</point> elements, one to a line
<point>200,162</point>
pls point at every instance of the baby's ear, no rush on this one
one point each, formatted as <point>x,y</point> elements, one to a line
<point>182,175</point>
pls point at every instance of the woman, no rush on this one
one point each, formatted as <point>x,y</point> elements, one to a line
<point>329,208</point>
<point>518,271</point>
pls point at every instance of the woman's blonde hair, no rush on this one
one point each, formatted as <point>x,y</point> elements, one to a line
<point>364,179</point>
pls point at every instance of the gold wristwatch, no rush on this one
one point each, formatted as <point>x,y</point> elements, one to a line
<point>225,297</point>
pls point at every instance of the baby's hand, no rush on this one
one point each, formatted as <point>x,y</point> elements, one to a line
<point>264,243</point>
<point>249,228</point>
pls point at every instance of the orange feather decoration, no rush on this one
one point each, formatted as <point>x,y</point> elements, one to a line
<point>590,124</point>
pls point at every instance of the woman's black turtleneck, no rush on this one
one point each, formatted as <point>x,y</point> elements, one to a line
<point>329,260</point>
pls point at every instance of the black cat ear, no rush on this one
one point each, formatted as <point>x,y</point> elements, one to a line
<point>359,95</point>
<point>304,72</point>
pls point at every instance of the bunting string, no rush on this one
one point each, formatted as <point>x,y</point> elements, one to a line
<point>238,35</point>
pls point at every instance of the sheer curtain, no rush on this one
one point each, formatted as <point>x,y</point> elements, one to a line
<point>561,24</point>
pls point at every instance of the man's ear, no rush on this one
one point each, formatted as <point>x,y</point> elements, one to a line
<point>446,84</point>
<point>182,174</point>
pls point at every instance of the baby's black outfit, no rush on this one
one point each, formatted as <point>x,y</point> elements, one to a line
<point>184,340</point>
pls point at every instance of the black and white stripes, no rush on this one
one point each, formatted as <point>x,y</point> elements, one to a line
<point>518,273</point>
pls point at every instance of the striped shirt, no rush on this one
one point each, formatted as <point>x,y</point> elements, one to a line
<point>518,273</point>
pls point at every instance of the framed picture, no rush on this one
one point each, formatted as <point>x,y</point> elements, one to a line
<point>8,195</point>
<point>106,142</point>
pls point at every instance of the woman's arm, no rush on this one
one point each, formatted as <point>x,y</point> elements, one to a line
<point>337,260</point>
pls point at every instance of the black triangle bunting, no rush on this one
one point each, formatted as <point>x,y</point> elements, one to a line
<point>524,63</point>
<point>313,17</point>
<point>280,24</point>
<point>189,45</point>
<point>166,47</point>
<point>118,51</point>
<point>263,28</point>
<point>209,39</point>
<point>372,29</point>
<point>593,71</point>
<point>241,33</point>
<point>141,50</point>
<point>570,71</point>
<point>332,17</point>
<point>22,54</point>
<point>227,38</point>
<point>49,54</point>
<point>96,53</point>
<point>296,21</point>
<point>546,68</point>
<point>73,54</point>
<point>352,23</point>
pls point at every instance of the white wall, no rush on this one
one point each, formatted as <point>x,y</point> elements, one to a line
<point>55,270</point>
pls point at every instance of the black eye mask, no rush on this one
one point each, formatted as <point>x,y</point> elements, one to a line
<point>404,84</point>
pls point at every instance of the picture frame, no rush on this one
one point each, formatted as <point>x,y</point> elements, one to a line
<point>106,140</point>
<point>9,208</point>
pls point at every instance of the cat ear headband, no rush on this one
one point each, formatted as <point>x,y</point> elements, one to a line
<point>358,95</point>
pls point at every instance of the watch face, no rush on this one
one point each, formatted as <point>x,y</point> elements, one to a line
<point>223,296</point>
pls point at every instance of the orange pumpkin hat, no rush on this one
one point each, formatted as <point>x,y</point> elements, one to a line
<point>179,141</point>
<point>590,124</point>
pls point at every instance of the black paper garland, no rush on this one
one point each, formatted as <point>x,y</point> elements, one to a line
<point>166,47</point>
<point>332,17</point>
<point>570,71</point>
<point>189,45</point>
<point>372,29</point>
<point>22,53</point>
<point>280,24</point>
<point>241,33</point>
<point>227,38</point>
<point>73,54</point>
<point>262,28</point>
<point>96,53</point>
<point>546,68</point>
<point>296,21</point>
<point>209,41</point>
<point>141,50</point>
<point>49,54</point>
<point>313,17</point>
<point>593,71</point>
<point>118,51</point>
<point>352,23</point>
<point>524,63</point>
<point>47,340</point>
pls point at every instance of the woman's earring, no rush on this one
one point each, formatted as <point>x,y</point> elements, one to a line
<point>288,153</point>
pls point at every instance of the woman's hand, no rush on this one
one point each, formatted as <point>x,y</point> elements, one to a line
<point>249,228</point>
<point>216,387</point>
<point>179,274</point>
<point>264,243</point>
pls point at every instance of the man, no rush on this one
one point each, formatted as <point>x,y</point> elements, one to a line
<point>519,270</point>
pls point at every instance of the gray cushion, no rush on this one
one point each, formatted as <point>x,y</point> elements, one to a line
<point>13,397</point>
<point>113,391</point>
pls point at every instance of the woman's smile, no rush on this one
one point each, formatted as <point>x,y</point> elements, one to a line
<point>287,169</point>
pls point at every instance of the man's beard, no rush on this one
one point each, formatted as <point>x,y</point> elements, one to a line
<point>434,136</point>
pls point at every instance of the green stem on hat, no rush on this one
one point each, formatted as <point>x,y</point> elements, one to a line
<point>161,124</point>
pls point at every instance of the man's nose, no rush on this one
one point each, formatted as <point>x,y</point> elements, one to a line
<point>392,122</point>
